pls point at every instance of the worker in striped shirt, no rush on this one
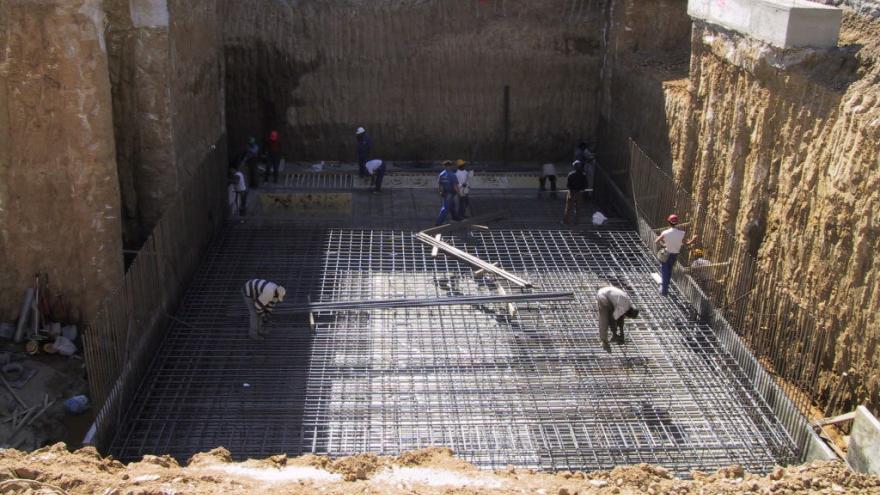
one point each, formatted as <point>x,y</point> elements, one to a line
<point>614,307</point>
<point>260,296</point>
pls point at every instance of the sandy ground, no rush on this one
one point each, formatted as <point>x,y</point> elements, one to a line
<point>54,470</point>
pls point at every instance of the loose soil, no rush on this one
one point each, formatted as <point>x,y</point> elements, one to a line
<point>55,470</point>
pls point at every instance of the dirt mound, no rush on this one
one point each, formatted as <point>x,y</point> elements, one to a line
<point>54,470</point>
<point>359,467</point>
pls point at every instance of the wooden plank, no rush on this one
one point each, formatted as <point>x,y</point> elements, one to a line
<point>14,395</point>
<point>836,419</point>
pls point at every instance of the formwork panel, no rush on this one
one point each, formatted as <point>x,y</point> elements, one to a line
<point>533,390</point>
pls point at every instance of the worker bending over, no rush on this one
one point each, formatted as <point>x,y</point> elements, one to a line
<point>260,297</point>
<point>376,169</point>
<point>614,306</point>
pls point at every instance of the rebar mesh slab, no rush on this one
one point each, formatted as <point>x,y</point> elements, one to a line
<point>535,390</point>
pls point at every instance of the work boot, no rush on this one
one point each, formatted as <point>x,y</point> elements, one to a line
<point>618,339</point>
<point>606,346</point>
<point>255,335</point>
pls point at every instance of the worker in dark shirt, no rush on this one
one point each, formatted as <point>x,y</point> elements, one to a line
<point>273,153</point>
<point>364,147</point>
<point>583,154</point>
<point>576,183</point>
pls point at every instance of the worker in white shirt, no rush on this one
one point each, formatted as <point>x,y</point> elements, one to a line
<point>239,185</point>
<point>260,296</point>
<point>548,173</point>
<point>614,306</point>
<point>376,169</point>
<point>671,239</point>
<point>463,175</point>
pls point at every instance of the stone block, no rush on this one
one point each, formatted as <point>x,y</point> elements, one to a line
<point>781,23</point>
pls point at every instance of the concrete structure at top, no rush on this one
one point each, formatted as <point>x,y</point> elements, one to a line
<point>782,23</point>
<point>863,453</point>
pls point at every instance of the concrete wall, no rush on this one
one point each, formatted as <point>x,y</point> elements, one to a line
<point>863,450</point>
<point>59,194</point>
<point>782,23</point>
<point>425,77</point>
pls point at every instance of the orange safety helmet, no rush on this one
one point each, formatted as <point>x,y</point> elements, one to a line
<point>273,136</point>
<point>673,219</point>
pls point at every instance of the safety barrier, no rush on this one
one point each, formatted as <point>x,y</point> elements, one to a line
<point>784,337</point>
<point>124,335</point>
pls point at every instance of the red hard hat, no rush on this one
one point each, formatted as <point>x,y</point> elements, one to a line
<point>273,136</point>
<point>672,219</point>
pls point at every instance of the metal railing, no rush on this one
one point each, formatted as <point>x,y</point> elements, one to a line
<point>122,338</point>
<point>783,334</point>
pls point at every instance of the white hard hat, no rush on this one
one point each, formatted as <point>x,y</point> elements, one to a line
<point>360,130</point>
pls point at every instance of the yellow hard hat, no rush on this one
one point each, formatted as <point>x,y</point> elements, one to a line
<point>460,163</point>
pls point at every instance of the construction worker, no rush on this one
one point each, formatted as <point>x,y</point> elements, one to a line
<point>260,296</point>
<point>463,176</point>
<point>671,239</point>
<point>548,173</point>
<point>239,185</point>
<point>576,183</point>
<point>376,168</point>
<point>273,152</point>
<point>364,147</point>
<point>699,267</point>
<point>583,154</point>
<point>250,160</point>
<point>614,306</point>
<point>447,183</point>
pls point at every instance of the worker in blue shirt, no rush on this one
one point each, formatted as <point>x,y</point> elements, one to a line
<point>447,183</point>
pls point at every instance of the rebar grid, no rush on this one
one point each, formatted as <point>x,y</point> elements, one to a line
<point>535,390</point>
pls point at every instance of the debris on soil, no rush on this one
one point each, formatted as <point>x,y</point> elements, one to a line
<point>432,471</point>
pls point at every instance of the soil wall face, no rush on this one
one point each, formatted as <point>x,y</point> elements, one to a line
<point>425,77</point>
<point>789,160</point>
<point>59,194</point>
<point>196,83</point>
<point>168,100</point>
<point>781,148</point>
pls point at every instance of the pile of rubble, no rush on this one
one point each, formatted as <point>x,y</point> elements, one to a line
<point>42,397</point>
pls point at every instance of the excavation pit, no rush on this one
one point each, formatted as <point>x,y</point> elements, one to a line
<point>535,390</point>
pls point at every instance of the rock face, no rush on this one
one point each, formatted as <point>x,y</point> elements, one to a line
<point>59,194</point>
<point>168,100</point>
<point>425,77</point>
<point>782,148</point>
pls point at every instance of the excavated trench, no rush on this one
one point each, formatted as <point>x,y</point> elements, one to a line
<point>486,80</point>
<point>533,390</point>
